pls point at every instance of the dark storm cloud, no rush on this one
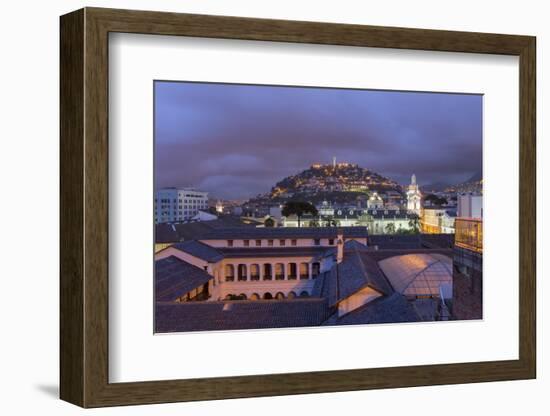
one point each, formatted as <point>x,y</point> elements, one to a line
<point>236,141</point>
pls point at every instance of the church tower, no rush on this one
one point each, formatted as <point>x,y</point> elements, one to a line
<point>414,197</point>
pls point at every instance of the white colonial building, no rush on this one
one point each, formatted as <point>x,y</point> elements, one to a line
<point>262,263</point>
<point>297,277</point>
<point>375,201</point>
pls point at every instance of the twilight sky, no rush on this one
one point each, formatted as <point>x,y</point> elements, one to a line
<point>236,141</point>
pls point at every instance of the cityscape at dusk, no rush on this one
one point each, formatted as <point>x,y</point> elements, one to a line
<point>287,206</point>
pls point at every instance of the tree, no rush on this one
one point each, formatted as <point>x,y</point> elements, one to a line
<point>269,222</point>
<point>414,223</point>
<point>390,228</point>
<point>314,223</point>
<point>299,208</point>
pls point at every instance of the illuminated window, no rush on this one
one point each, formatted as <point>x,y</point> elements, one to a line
<point>229,273</point>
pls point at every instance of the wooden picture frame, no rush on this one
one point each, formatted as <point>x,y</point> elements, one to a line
<point>84,207</point>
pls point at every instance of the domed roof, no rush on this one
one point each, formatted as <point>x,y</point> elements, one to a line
<point>418,274</point>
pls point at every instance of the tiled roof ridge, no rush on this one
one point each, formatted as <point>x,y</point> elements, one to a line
<point>176,286</point>
<point>181,246</point>
<point>364,270</point>
<point>189,242</point>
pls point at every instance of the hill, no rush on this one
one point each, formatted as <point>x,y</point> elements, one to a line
<point>474,185</point>
<point>338,182</point>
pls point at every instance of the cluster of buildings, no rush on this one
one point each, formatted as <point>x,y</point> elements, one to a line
<point>443,219</point>
<point>384,213</point>
<point>396,259</point>
<point>387,212</point>
<point>258,277</point>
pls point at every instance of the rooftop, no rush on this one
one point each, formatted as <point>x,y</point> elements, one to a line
<point>418,274</point>
<point>383,310</point>
<point>272,251</point>
<point>230,315</point>
<point>356,271</point>
<point>174,278</point>
<point>284,232</point>
<point>409,242</point>
<point>175,232</point>
<point>200,250</point>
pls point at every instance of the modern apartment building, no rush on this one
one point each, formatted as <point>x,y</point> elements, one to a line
<point>175,205</point>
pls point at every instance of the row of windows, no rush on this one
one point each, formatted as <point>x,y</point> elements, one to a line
<point>281,242</point>
<point>272,272</point>
<point>194,196</point>
<point>180,213</point>
<point>193,203</point>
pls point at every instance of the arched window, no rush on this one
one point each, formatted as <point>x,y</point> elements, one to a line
<point>291,295</point>
<point>291,271</point>
<point>279,271</point>
<point>280,295</point>
<point>268,272</point>
<point>268,295</point>
<point>229,273</point>
<point>241,272</point>
<point>315,269</point>
<point>242,296</point>
<point>304,271</point>
<point>304,294</point>
<point>254,272</point>
<point>254,296</point>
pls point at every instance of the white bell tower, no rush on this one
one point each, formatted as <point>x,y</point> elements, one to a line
<point>414,197</point>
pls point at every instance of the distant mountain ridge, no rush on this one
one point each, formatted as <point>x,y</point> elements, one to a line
<point>472,185</point>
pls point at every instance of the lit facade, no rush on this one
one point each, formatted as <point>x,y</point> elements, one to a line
<point>438,220</point>
<point>378,221</point>
<point>468,269</point>
<point>375,201</point>
<point>262,263</point>
<point>414,197</point>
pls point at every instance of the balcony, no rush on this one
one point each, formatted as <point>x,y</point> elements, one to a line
<point>469,234</point>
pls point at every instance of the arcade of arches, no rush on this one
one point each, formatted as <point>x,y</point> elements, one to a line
<point>271,271</point>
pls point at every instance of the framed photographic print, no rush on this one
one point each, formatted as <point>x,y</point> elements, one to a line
<point>255,207</point>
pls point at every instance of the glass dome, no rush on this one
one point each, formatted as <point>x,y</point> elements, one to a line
<point>418,274</point>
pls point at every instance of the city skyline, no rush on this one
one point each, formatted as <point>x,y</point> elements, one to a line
<point>236,141</point>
